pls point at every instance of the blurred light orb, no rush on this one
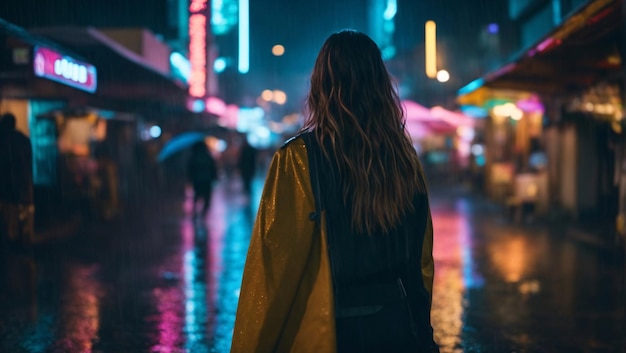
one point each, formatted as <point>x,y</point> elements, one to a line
<point>391,10</point>
<point>517,115</point>
<point>493,28</point>
<point>477,150</point>
<point>466,133</point>
<point>280,97</point>
<point>155,131</point>
<point>267,95</point>
<point>508,110</point>
<point>260,137</point>
<point>278,50</point>
<point>181,63</point>
<point>215,106</point>
<point>219,65</point>
<point>197,105</point>
<point>443,76</point>
<point>263,132</point>
<point>221,145</point>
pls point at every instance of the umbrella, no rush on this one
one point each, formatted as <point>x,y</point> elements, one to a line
<point>179,143</point>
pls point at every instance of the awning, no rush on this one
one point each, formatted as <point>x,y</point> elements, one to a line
<point>32,39</point>
<point>125,78</point>
<point>29,54</point>
<point>582,51</point>
<point>422,121</point>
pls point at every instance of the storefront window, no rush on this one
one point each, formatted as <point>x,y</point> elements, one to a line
<point>43,136</point>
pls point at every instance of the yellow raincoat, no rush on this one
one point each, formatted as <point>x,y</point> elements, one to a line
<point>286,301</point>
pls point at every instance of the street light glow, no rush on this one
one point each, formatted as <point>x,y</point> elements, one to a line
<point>443,76</point>
<point>278,50</point>
<point>267,95</point>
<point>280,97</point>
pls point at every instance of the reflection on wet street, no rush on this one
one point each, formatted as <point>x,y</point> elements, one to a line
<point>162,280</point>
<point>506,288</point>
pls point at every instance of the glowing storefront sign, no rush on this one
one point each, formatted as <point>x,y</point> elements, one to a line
<point>197,47</point>
<point>61,68</point>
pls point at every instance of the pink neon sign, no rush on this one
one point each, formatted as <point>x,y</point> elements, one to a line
<point>54,66</point>
<point>197,48</point>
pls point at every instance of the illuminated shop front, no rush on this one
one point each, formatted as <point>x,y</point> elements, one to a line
<point>513,127</point>
<point>564,96</point>
<point>86,100</point>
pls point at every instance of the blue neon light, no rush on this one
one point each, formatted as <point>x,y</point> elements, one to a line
<point>556,11</point>
<point>219,65</point>
<point>224,15</point>
<point>181,65</point>
<point>391,10</point>
<point>472,86</point>
<point>197,106</point>
<point>244,37</point>
<point>474,111</point>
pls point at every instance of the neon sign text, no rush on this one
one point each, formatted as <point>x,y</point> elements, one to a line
<point>52,65</point>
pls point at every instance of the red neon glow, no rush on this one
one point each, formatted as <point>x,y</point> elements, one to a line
<point>197,6</point>
<point>197,53</point>
<point>215,106</point>
<point>547,44</point>
<point>601,15</point>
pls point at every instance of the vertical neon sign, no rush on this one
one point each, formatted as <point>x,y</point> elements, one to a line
<point>431,49</point>
<point>244,37</point>
<point>197,47</point>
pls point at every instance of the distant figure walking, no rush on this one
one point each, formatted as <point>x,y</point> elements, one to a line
<point>202,171</point>
<point>16,182</point>
<point>247,165</point>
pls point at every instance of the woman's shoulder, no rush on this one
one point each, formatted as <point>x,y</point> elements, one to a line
<point>292,150</point>
<point>294,146</point>
<point>295,142</point>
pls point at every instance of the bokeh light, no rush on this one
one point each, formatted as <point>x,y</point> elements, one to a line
<point>443,76</point>
<point>280,97</point>
<point>278,50</point>
<point>267,95</point>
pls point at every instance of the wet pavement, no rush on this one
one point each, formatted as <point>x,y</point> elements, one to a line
<point>161,280</point>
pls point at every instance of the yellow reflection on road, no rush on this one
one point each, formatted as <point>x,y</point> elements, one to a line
<point>452,238</point>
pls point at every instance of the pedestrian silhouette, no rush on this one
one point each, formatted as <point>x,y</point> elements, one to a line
<point>16,182</point>
<point>202,172</point>
<point>247,165</point>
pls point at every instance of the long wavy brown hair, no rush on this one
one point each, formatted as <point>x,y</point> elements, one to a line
<point>356,115</point>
